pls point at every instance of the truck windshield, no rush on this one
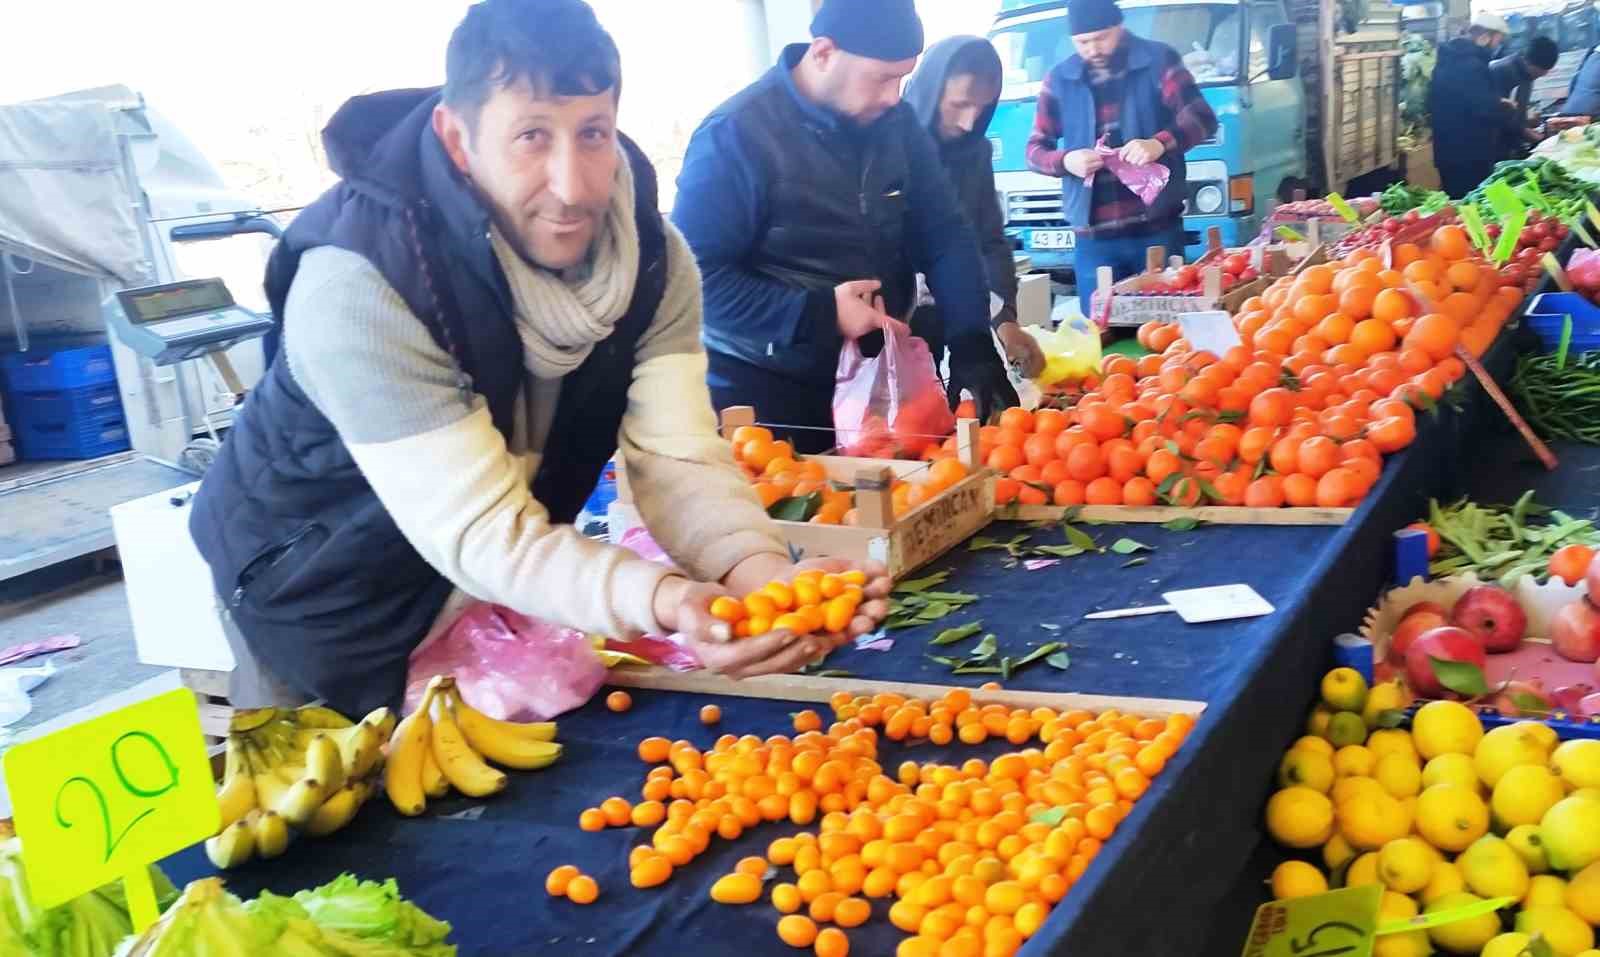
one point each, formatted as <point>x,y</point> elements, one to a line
<point>1206,34</point>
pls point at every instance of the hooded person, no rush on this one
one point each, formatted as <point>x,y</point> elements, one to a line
<point>483,311</point>
<point>812,199</point>
<point>1471,122</point>
<point>954,92</point>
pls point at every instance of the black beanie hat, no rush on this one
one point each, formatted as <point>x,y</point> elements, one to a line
<point>1092,16</point>
<point>876,29</point>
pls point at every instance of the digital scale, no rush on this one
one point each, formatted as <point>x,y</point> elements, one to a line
<point>178,321</point>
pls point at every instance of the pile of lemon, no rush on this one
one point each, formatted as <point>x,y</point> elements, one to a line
<point>1443,815</point>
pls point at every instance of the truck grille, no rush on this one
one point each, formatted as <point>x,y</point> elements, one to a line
<point>1038,209</point>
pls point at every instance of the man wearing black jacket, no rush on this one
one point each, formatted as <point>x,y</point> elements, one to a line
<point>1470,120</point>
<point>953,94</point>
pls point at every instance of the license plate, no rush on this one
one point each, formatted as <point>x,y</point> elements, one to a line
<point>1052,239</point>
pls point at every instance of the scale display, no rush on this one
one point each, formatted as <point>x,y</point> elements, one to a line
<point>182,320</point>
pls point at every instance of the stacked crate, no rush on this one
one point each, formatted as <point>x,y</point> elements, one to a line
<point>64,404</point>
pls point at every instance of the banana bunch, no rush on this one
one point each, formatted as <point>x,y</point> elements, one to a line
<point>304,769</point>
<point>444,744</point>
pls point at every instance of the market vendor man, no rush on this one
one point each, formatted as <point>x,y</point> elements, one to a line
<point>476,318</point>
<point>812,199</point>
<point>953,93</point>
<point>1514,77</point>
<point>1134,96</point>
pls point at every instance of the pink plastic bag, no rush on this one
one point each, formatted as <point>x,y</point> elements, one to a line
<point>1146,182</point>
<point>893,404</point>
<point>509,666</point>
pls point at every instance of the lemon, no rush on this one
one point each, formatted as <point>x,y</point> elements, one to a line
<point>1385,696</point>
<point>1564,931</point>
<point>1389,741</point>
<point>1445,727</point>
<point>1393,906</point>
<point>1369,822</point>
<point>1450,817</point>
<point>1343,689</point>
<point>1346,728</point>
<point>1583,893</point>
<point>1545,890</point>
<point>1337,853</point>
<point>1450,769</point>
<point>1462,936</point>
<point>1507,747</point>
<point>1525,840</point>
<point>1588,794</point>
<point>1399,774</point>
<point>1297,879</point>
<point>1346,788</point>
<point>1493,869</point>
<point>1311,742</point>
<point>1306,768</point>
<point>1523,796</point>
<point>1447,879</point>
<point>1353,761</point>
<point>1300,817</point>
<point>1317,721</point>
<point>1571,832</point>
<point>1578,762</point>
<point>1547,735</point>
<point>1405,865</point>
<point>1411,943</point>
<point>1507,945</point>
<point>1363,870</point>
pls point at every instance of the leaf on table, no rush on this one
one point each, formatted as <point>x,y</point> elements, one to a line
<point>945,660</point>
<point>981,542</point>
<point>1079,538</point>
<point>1462,677</point>
<point>985,649</point>
<point>1127,546</point>
<point>951,597</point>
<point>913,585</point>
<point>1059,661</point>
<point>796,508</point>
<point>1059,551</point>
<point>959,633</point>
<point>902,621</point>
<point>1043,651</point>
<point>1184,524</point>
<point>1005,668</point>
<point>933,611</point>
<point>1135,562</point>
<point>977,670</point>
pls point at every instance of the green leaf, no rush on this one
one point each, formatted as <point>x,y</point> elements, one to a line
<point>959,633</point>
<point>1005,669</point>
<point>1391,718</point>
<point>1462,677</point>
<point>951,597</point>
<point>1059,551</point>
<point>933,611</point>
<point>1050,816</point>
<point>1043,651</point>
<point>1135,562</point>
<point>1059,661</point>
<point>912,586</point>
<point>944,660</point>
<point>796,509</point>
<point>1071,514</point>
<point>897,622</point>
<point>1184,524</point>
<point>980,543</point>
<point>1127,546</point>
<point>985,649</point>
<point>1080,539</point>
<point>1538,946</point>
<point>977,670</point>
<point>1527,702</point>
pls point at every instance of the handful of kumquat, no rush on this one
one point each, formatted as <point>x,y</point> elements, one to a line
<point>814,601</point>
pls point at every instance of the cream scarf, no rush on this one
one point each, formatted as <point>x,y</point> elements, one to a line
<point>561,317</point>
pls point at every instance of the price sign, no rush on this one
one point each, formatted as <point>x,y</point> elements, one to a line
<point>1209,331</point>
<point>1340,923</point>
<point>104,799</point>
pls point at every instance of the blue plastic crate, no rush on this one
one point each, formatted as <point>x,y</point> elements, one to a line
<point>64,369</point>
<point>1547,314</point>
<point>68,423</point>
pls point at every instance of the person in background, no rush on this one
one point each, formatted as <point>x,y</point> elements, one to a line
<point>483,311</point>
<point>1135,96</point>
<point>1470,120</point>
<point>1583,93</point>
<point>1514,76</point>
<point>953,93</point>
<point>812,199</point>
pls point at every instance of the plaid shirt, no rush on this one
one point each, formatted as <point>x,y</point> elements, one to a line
<point>1114,210</point>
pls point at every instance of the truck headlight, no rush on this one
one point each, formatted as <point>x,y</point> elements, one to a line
<point>1208,199</point>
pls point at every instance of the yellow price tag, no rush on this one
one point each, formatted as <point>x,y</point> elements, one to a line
<point>1340,923</point>
<point>104,799</point>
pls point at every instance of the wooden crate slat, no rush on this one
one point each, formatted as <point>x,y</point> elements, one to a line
<point>1160,514</point>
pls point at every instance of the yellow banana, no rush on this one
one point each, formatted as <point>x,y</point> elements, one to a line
<point>434,784</point>
<point>402,772</point>
<point>361,749</point>
<point>236,797</point>
<point>337,810</point>
<point>250,719</point>
<point>316,716</point>
<point>324,764</point>
<point>271,834</point>
<point>526,747</point>
<point>461,765</point>
<point>269,787</point>
<point>383,718</point>
<point>301,801</point>
<point>233,846</point>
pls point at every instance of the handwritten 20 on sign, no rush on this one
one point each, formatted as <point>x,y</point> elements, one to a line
<point>103,799</point>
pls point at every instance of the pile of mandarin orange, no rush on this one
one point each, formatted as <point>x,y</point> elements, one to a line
<point>973,856</point>
<point>1333,365</point>
<point>778,473</point>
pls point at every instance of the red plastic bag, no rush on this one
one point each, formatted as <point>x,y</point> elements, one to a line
<point>893,404</point>
<point>1145,182</point>
<point>508,665</point>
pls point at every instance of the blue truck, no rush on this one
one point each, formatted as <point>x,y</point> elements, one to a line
<point>1243,54</point>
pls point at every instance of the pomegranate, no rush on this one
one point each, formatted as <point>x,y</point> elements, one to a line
<point>1593,578</point>
<point>1447,643</point>
<point>1575,632</point>
<point>1428,606</point>
<point>1411,627</point>
<point>1491,613</point>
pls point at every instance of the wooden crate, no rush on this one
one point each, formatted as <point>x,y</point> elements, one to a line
<point>211,695</point>
<point>902,543</point>
<point>1361,119</point>
<point>1130,307</point>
